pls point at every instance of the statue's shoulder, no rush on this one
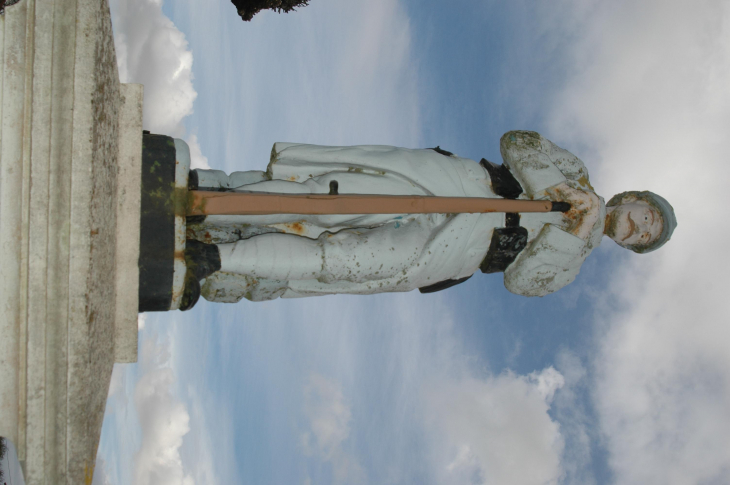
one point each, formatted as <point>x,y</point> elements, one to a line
<point>551,261</point>
<point>520,144</point>
<point>523,138</point>
<point>572,167</point>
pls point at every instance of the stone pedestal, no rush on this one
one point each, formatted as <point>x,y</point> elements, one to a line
<point>70,157</point>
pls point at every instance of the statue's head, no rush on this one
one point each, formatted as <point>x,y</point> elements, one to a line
<point>639,221</point>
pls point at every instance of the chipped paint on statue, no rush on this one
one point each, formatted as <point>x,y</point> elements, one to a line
<point>290,256</point>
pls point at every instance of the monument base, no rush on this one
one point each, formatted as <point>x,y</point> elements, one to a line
<point>70,159</point>
<point>165,169</point>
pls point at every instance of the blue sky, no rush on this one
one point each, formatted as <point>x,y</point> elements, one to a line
<point>622,377</point>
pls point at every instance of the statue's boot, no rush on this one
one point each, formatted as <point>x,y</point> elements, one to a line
<point>191,292</point>
<point>202,260</point>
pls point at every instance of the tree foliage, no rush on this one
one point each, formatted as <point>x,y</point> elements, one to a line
<point>248,8</point>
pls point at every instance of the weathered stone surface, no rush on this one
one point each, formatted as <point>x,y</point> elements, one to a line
<point>128,207</point>
<point>70,155</point>
<point>12,86</point>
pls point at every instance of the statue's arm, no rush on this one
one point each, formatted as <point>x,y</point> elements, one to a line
<point>571,166</point>
<point>526,154</point>
<point>218,180</point>
<point>551,261</point>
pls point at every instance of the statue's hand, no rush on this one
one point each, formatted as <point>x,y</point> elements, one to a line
<point>584,208</point>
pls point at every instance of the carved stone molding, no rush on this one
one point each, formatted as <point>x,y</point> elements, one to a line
<point>6,3</point>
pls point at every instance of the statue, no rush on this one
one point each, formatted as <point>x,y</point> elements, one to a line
<point>263,257</point>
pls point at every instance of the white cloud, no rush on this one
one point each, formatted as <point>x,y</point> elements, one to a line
<point>416,407</point>
<point>100,474</point>
<point>328,427</point>
<point>648,95</point>
<point>150,432</point>
<point>570,408</point>
<point>473,426</point>
<point>329,416</point>
<point>116,384</point>
<point>546,382</point>
<point>164,421</point>
<point>141,321</point>
<point>152,51</point>
<point>197,159</point>
<point>209,451</point>
<point>495,429</point>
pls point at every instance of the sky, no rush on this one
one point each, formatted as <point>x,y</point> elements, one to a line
<point>623,377</point>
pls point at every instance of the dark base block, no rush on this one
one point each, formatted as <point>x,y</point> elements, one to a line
<point>157,226</point>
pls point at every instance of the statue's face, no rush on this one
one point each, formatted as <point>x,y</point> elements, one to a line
<point>634,223</point>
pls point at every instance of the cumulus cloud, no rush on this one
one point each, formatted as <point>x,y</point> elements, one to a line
<point>495,429</point>
<point>163,419</point>
<point>197,159</point>
<point>152,51</point>
<point>209,451</point>
<point>100,474</point>
<point>571,408</point>
<point>116,384</point>
<point>648,97</point>
<point>141,321</point>
<point>329,416</point>
<point>328,427</point>
<point>421,409</point>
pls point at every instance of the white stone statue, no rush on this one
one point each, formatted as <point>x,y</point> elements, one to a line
<point>289,256</point>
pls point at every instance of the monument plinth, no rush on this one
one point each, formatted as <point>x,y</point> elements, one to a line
<point>70,158</point>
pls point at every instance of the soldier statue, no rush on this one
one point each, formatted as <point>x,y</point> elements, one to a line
<point>263,257</point>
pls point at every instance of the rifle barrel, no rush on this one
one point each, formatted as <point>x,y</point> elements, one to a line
<point>260,203</point>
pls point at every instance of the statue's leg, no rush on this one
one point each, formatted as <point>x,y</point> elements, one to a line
<point>354,255</point>
<point>217,179</point>
<point>274,257</point>
<point>360,255</point>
